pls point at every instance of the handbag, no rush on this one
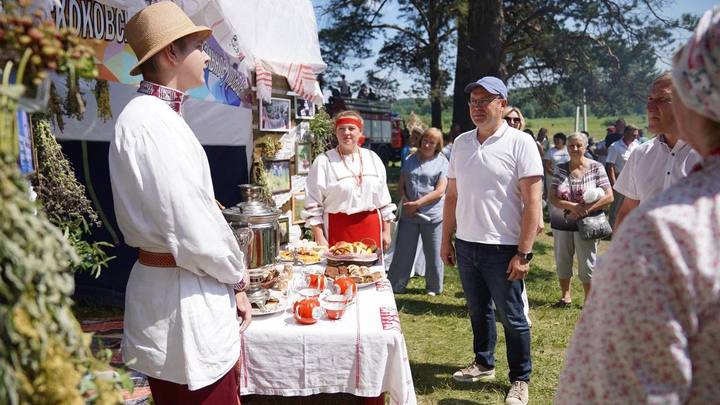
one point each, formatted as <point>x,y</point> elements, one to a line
<point>560,221</point>
<point>594,226</point>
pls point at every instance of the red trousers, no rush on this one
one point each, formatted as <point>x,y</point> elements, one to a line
<point>222,392</point>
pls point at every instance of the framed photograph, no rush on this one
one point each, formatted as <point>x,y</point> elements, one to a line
<point>304,109</point>
<point>278,175</point>
<point>298,205</point>
<point>275,115</point>
<point>303,159</point>
<point>302,132</point>
<point>284,229</point>
<point>27,158</point>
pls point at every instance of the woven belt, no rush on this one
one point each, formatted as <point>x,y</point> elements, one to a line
<point>153,259</point>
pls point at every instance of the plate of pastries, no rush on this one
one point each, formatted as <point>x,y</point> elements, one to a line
<point>362,275</point>
<point>346,253</point>
<point>306,252</point>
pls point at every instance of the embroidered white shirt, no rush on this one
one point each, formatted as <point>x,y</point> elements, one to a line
<point>332,188</point>
<point>653,167</point>
<point>180,323</point>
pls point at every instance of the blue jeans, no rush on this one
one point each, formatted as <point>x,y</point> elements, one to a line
<point>483,273</point>
<point>404,256</point>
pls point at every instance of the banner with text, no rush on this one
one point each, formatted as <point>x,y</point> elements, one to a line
<point>227,79</point>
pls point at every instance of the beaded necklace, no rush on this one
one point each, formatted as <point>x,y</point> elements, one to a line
<point>358,177</point>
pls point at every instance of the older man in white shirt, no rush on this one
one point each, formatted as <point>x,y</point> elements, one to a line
<point>618,154</point>
<point>656,165</point>
<point>181,313</point>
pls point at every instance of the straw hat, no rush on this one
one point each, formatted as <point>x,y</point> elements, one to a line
<point>156,27</point>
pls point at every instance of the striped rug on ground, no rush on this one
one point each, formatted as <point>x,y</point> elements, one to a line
<point>107,334</point>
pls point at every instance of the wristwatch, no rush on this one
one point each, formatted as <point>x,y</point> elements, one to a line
<point>525,256</point>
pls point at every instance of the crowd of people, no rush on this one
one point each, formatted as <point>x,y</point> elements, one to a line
<point>649,323</point>
<point>589,190</point>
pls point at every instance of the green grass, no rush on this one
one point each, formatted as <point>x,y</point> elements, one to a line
<point>439,339</point>
<point>596,125</point>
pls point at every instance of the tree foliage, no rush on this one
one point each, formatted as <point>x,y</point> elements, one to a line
<point>609,48</point>
<point>417,42</point>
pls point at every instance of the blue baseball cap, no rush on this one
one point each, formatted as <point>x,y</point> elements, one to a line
<point>491,84</point>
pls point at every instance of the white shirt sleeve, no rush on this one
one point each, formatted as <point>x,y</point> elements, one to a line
<point>315,190</point>
<point>549,154</point>
<point>529,162</point>
<point>451,163</point>
<point>626,184</point>
<point>612,155</point>
<point>168,193</point>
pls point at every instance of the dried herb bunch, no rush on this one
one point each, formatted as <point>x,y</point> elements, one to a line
<point>64,200</point>
<point>60,193</point>
<point>321,128</point>
<point>270,146</point>
<point>102,97</point>
<point>259,177</point>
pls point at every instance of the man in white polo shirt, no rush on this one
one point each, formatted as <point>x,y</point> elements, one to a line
<point>493,202</point>
<point>656,165</point>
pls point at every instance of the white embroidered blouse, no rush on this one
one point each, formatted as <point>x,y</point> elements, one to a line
<point>181,323</point>
<point>332,187</point>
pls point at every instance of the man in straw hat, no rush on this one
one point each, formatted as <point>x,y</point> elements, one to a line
<point>181,310</point>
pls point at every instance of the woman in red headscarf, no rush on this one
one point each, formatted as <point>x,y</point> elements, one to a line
<point>347,197</point>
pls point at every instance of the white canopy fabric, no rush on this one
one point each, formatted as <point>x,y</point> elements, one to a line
<point>276,31</point>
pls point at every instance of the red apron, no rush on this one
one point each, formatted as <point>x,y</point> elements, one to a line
<point>355,227</point>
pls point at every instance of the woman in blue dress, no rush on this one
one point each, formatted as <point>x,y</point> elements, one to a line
<point>423,179</point>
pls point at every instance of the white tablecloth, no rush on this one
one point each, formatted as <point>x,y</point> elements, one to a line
<point>363,353</point>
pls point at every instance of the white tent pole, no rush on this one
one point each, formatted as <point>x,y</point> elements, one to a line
<point>577,118</point>
<point>585,125</point>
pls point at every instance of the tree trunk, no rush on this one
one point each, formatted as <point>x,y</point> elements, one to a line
<point>436,88</point>
<point>479,52</point>
<point>436,85</point>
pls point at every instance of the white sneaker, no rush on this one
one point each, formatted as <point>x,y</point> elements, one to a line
<point>430,293</point>
<point>518,394</point>
<point>474,373</point>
